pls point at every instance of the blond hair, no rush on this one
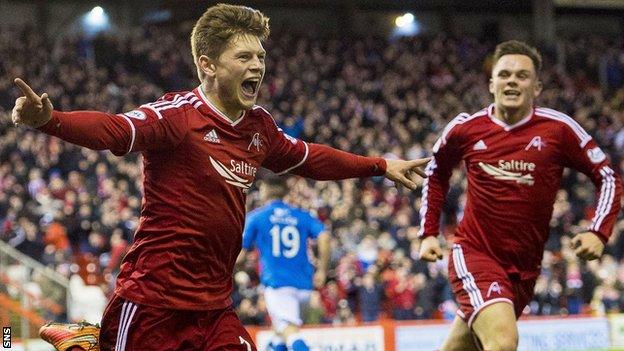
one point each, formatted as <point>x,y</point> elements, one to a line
<point>214,29</point>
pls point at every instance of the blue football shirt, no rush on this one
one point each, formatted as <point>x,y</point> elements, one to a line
<point>280,232</point>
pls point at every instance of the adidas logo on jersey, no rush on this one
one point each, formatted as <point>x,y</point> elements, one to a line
<point>480,145</point>
<point>212,137</point>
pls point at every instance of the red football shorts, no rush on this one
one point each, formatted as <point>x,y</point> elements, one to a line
<point>128,326</point>
<point>479,281</point>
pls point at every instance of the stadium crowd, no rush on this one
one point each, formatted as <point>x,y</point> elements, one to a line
<point>75,210</point>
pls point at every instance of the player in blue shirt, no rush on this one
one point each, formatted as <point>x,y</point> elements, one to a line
<point>281,233</point>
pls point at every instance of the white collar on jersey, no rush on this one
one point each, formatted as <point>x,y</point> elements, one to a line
<point>507,127</point>
<point>217,111</point>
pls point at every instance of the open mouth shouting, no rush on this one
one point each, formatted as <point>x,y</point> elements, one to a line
<point>250,87</point>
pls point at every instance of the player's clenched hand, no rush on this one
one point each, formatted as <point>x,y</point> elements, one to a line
<point>404,172</point>
<point>430,249</point>
<point>587,246</point>
<point>31,109</point>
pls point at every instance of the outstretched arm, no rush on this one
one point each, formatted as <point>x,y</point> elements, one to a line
<point>321,162</point>
<point>326,163</point>
<point>138,130</point>
<point>94,130</point>
<point>31,109</point>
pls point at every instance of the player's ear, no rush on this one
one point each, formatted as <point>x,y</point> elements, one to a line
<point>538,88</point>
<point>491,86</point>
<point>207,66</point>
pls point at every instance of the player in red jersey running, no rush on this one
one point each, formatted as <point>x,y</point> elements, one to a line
<point>201,152</point>
<point>514,154</point>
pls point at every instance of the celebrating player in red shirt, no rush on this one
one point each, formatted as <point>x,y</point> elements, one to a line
<point>201,152</point>
<point>514,154</point>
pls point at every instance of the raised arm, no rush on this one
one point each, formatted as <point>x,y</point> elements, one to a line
<point>31,109</point>
<point>142,129</point>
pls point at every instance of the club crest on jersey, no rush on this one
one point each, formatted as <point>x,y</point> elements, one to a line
<point>229,174</point>
<point>596,155</point>
<point>536,142</point>
<point>136,114</point>
<point>494,288</point>
<point>255,142</point>
<point>511,170</point>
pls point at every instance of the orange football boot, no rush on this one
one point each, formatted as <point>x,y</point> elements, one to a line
<point>64,336</point>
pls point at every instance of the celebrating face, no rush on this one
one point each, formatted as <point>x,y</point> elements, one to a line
<point>239,71</point>
<point>514,83</point>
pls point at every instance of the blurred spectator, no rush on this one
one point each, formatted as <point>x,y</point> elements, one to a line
<point>369,298</point>
<point>28,240</point>
<point>314,312</point>
<point>330,297</point>
<point>401,291</point>
<point>344,314</point>
<point>248,313</point>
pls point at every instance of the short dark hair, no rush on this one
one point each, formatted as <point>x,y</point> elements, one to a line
<point>516,47</point>
<point>277,186</point>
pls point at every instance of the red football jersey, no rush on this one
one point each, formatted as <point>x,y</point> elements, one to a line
<point>514,173</point>
<point>198,165</point>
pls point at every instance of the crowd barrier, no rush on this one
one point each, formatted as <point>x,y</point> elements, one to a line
<point>581,333</point>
